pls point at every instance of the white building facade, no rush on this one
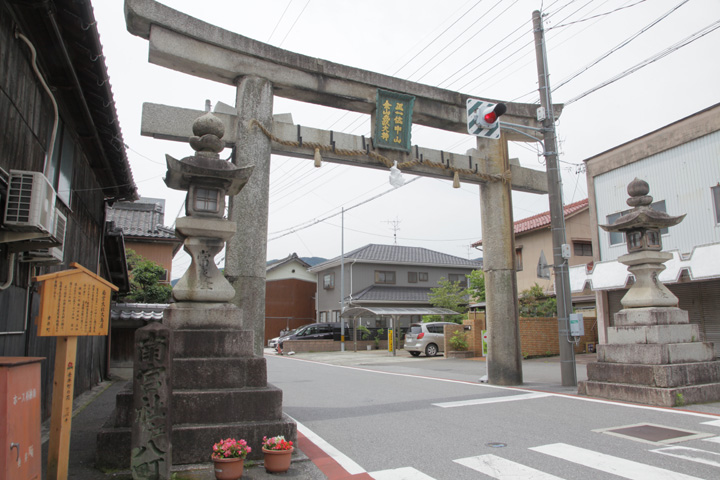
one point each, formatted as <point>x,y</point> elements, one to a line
<point>681,163</point>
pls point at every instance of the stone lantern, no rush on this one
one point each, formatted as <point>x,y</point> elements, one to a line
<point>645,258</point>
<point>208,180</point>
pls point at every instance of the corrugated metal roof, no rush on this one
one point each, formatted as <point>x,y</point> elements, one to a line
<point>355,311</point>
<point>400,254</point>
<point>542,220</point>
<point>144,219</point>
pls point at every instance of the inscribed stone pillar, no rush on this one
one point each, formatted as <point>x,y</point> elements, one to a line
<point>246,255</point>
<point>504,360</point>
<point>151,455</point>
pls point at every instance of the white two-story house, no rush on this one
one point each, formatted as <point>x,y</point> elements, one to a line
<point>681,163</point>
<point>385,276</point>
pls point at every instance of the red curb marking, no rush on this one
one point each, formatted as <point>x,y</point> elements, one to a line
<point>328,465</point>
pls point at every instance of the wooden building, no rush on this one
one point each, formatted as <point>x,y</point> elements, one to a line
<point>65,96</point>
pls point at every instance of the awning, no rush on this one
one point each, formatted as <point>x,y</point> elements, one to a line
<point>396,311</point>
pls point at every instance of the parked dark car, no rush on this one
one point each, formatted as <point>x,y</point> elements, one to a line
<point>314,331</point>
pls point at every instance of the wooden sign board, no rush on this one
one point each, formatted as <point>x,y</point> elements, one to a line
<point>74,303</point>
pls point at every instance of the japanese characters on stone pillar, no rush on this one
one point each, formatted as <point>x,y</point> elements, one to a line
<point>151,454</point>
<point>208,180</point>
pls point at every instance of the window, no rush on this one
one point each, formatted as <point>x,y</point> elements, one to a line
<point>323,317</point>
<point>329,281</point>
<point>582,249</point>
<point>206,200</point>
<point>716,201</point>
<point>423,276</point>
<point>384,278</point>
<point>412,277</point>
<point>458,278</point>
<point>59,169</point>
<point>518,260</point>
<point>616,238</point>
<point>335,316</point>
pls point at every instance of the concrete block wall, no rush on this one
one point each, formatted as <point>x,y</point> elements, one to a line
<point>305,346</point>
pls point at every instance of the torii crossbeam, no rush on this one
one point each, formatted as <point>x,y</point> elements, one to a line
<point>260,71</point>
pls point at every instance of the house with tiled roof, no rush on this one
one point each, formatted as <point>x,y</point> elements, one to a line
<point>533,242</point>
<point>289,295</point>
<point>385,276</point>
<point>143,226</point>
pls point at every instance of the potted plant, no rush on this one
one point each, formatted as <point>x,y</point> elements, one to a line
<point>377,338</point>
<point>229,458</point>
<point>278,452</point>
<point>364,333</point>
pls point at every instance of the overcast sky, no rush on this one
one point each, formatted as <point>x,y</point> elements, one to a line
<point>481,48</point>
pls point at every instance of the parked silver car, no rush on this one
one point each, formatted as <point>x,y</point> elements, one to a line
<point>426,338</point>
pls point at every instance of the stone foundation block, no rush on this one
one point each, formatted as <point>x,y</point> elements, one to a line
<point>650,354</point>
<point>192,444</point>
<point>227,406</point>
<point>664,397</point>
<point>654,334</point>
<point>663,376</point>
<point>651,316</point>
<point>200,315</point>
<point>204,373</point>
<point>212,343</point>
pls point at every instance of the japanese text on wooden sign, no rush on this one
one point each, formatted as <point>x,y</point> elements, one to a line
<point>74,303</point>
<point>393,120</point>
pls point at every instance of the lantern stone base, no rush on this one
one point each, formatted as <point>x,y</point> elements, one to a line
<point>219,390</point>
<point>654,356</point>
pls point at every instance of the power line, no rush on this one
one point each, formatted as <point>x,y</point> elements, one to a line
<point>686,41</point>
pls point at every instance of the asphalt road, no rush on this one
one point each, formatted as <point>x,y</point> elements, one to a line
<point>428,418</point>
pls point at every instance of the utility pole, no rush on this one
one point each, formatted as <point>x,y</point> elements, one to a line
<point>557,217</point>
<point>342,280</point>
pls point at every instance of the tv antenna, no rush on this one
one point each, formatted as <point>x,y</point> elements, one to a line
<point>395,225</point>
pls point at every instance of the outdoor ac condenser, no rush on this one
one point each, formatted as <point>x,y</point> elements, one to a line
<point>30,205</point>
<point>52,255</point>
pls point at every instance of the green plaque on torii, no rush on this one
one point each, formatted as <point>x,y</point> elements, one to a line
<point>393,120</point>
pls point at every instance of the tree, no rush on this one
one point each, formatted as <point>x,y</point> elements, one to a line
<point>450,295</point>
<point>476,279</point>
<point>533,302</point>
<point>145,286</point>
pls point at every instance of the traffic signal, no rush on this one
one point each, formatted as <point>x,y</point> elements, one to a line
<point>482,118</point>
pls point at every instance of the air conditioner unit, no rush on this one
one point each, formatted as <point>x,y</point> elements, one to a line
<point>30,204</point>
<point>52,255</point>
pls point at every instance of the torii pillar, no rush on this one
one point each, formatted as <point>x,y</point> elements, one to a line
<point>246,252</point>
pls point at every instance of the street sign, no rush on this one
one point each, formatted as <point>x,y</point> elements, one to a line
<point>484,343</point>
<point>577,326</point>
<point>393,120</point>
<point>475,119</point>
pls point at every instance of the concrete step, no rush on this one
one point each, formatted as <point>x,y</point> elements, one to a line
<point>197,373</point>
<point>652,354</point>
<point>664,397</point>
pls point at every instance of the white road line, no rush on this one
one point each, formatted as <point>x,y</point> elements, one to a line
<point>405,473</point>
<point>714,423</point>
<point>483,401</point>
<point>345,462</point>
<point>692,454</point>
<point>502,469</point>
<point>712,439</point>
<point>609,464</point>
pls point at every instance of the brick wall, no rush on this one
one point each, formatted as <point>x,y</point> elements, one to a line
<point>539,336</point>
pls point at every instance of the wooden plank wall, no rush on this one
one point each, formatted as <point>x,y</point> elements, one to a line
<point>25,124</point>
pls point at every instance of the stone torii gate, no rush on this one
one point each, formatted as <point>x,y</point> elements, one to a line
<point>260,71</point>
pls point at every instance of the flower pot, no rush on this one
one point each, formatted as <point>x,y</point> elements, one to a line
<point>228,468</point>
<point>277,461</point>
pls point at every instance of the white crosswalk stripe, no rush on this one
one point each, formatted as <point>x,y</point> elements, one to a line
<point>609,464</point>
<point>692,454</point>
<point>500,468</point>
<point>406,473</point>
